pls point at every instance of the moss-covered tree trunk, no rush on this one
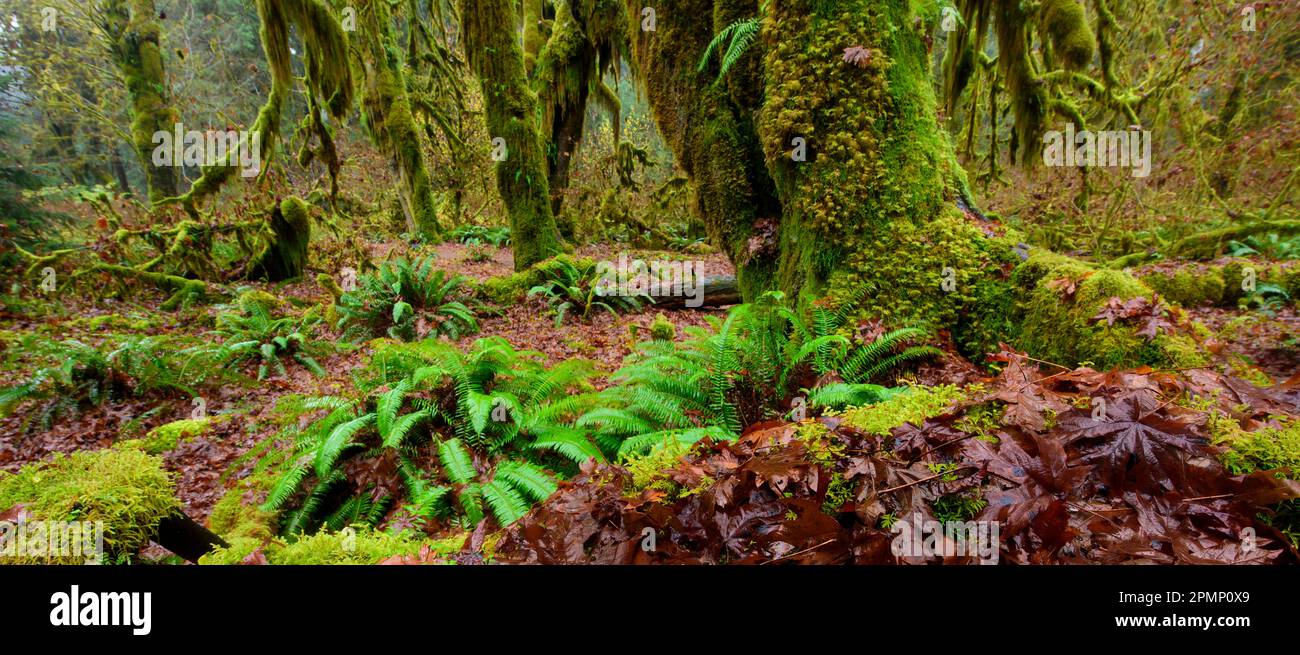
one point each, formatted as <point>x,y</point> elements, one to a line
<point>493,49</point>
<point>391,123</point>
<point>135,42</point>
<point>821,169</point>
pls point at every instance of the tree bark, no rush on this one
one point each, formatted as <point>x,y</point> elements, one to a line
<point>392,125</point>
<point>135,42</point>
<point>492,47</point>
<point>820,168</point>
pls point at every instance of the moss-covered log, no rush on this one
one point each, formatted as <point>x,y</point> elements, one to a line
<point>135,43</point>
<point>492,47</point>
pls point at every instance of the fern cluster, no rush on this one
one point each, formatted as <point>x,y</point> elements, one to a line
<point>741,370</point>
<point>255,334</point>
<point>576,288</point>
<point>77,375</point>
<point>738,37</point>
<point>394,298</point>
<point>471,235</point>
<point>495,417</point>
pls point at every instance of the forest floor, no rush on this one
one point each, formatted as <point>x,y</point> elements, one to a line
<point>207,466</point>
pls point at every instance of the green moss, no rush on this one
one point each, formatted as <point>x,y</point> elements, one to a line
<point>257,299</point>
<point>914,406</point>
<point>233,517</point>
<point>512,112</point>
<point>838,492</point>
<point>648,470</point>
<point>663,329</point>
<point>1068,31</point>
<point>167,437</point>
<point>1058,326</point>
<point>1187,287</point>
<point>124,488</point>
<point>1272,448</point>
<point>362,546</point>
<point>285,256</point>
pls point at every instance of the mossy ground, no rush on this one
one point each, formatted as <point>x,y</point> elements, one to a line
<point>125,488</point>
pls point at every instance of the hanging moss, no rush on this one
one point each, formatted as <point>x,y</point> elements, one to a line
<point>328,78</point>
<point>1066,28</point>
<point>389,118</point>
<point>124,488</point>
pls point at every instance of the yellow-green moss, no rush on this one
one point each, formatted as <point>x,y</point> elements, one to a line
<point>1059,326</point>
<point>648,469</point>
<point>1265,449</point>
<point>358,546</point>
<point>1187,287</point>
<point>233,517</point>
<point>914,406</point>
<point>166,437</point>
<point>124,488</point>
<point>1068,31</point>
<point>663,329</point>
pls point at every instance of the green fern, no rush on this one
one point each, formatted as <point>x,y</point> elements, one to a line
<point>739,37</point>
<point>393,299</point>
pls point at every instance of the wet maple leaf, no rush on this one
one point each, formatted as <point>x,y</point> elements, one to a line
<point>1147,314</point>
<point>1135,437</point>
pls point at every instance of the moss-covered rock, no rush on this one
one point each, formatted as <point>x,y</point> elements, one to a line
<point>1187,287</point>
<point>125,489</point>
<point>168,436</point>
<point>256,299</point>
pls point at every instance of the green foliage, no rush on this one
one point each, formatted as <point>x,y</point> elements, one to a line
<point>1272,448</point>
<point>736,372</point>
<point>393,299</point>
<point>255,334</point>
<point>495,417</point>
<point>77,375</point>
<point>1271,245</point>
<point>576,287</point>
<point>124,488</point>
<point>738,36</point>
<point>477,234</point>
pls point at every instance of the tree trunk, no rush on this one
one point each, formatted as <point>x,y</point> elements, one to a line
<point>492,47</point>
<point>821,169</point>
<point>135,41</point>
<point>391,122</point>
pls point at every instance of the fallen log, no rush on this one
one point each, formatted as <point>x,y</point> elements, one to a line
<point>712,292</point>
<point>184,536</point>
